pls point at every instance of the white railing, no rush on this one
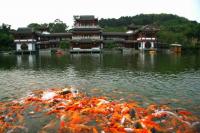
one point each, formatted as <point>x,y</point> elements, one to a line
<point>85,26</point>
<point>24,40</point>
<point>85,37</point>
<point>143,38</point>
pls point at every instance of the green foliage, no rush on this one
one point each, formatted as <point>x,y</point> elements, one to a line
<point>64,44</point>
<point>110,45</point>
<point>142,19</point>
<point>172,37</point>
<point>54,27</point>
<point>115,29</point>
<point>35,26</point>
<point>57,26</point>
<point>6,39</point>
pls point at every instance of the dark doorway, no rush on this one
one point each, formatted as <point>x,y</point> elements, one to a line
<point>24,46</point>
<point>147,45</point>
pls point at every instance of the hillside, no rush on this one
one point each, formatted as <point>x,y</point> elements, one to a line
<point>172,27</point>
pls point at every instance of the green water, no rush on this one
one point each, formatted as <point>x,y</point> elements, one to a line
<point>147,78</point>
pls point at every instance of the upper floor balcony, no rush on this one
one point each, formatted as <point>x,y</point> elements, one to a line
<point>86,26</point>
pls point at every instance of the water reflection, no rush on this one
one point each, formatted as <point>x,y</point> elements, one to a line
<point>146,61</point>
<point>156,62</point>
<point>27,61</point>
<point>155,77</point>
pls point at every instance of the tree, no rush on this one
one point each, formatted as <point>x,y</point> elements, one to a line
<point>6,39</point>
<point>57,26</point>
<point>64,44</point>
<point>110,44</point>
<point>35,26</point>
<point>54,27</point>
<point>5,28</point>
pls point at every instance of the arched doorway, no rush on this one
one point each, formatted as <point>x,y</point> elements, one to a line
<point>147,45</point>
<point>24,46</point>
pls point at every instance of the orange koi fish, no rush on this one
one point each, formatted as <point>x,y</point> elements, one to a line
<point>184,112</point>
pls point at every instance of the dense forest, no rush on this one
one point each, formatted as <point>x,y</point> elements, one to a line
<point>173,29</point>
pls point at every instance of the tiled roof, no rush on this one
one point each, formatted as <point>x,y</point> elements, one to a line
<point>86,29</point>
<point>55,34</point>
<point>92,32</point>
<point>85,17</point>
<point>25,30</point>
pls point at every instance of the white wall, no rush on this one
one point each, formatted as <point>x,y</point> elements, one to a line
<point>152,44</point>
<point>31,47</point>
<point>142,45</point>
<point>18,47</point>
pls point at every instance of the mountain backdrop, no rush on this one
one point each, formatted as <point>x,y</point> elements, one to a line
<point>173,28</point>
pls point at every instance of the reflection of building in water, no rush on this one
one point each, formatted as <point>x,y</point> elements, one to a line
<point>89,57</point>
<point>141,59</point>
<point>176,58</point>
<point>92,61</point>
<point>152,59</point>
<point>26,60</point>
<point>19,60</point>
<point>30,60</point>
<point>146,60</point>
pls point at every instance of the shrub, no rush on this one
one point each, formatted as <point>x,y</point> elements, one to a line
<point>64,44</point>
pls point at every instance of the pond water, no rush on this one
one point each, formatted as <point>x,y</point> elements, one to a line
<point>172,79</point>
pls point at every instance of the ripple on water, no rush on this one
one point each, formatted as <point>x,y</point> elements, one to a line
<point>126,76</point>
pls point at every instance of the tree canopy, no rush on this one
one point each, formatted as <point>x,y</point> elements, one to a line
<point>6,39</point>
<point>53,27</point>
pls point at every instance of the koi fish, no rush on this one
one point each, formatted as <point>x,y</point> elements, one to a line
<point>62,124</point>
<point>48,95</point>
<point>20,118</point>
<point>94,130</point>
<point>79,113</point>
<point>184,112</point>
<point>50,125</point>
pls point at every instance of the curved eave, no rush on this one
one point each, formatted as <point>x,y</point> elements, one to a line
<point>86,32</point>
<point>115,34</point>
<point>55,35</point>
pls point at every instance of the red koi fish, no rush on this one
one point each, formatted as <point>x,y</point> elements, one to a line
<point>184,112</point>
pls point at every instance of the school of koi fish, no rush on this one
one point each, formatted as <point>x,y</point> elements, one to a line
<point>67,110</point>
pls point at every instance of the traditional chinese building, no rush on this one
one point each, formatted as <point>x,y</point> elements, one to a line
<point>146,37</point>
<point>52,40</point>
<point>138,37</point>
<point>25,40</point>
<point>28,41</point>
<point>86,35</point>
